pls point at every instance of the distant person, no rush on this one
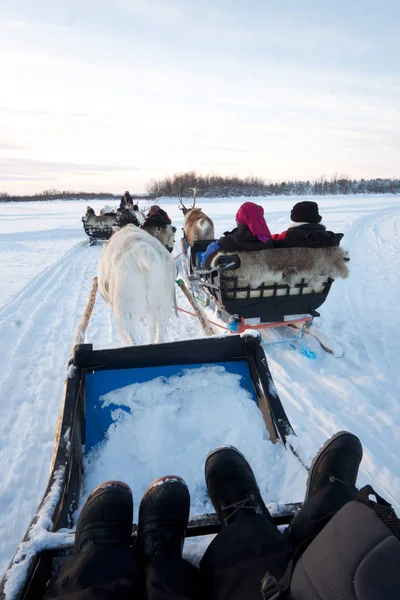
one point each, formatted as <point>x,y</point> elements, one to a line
<point>156,217</point>
<point>251,234</point>
<point>306,230</point>
<point>107,210</point>
<point>126,201</point>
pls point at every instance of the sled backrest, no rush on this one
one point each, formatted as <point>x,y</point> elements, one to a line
<point>298,271</point>
<point>101,221</point>
<point>275,284</point>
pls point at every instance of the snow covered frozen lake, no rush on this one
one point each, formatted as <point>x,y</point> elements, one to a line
<point>45,276</point>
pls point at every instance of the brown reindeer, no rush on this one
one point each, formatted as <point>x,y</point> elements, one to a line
<point>197,225</point>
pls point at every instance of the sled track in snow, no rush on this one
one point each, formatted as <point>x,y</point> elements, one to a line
<point>36,333</point>
<point>359,392</point>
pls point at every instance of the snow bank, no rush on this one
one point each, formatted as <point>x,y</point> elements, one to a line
<point>39,538</point>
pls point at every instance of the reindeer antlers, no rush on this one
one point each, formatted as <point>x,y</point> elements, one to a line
<point>194,195</point>
<point>182,206</point>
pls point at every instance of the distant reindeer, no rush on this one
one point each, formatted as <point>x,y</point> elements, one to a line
<point>197,225</point>
<point>137,280</point>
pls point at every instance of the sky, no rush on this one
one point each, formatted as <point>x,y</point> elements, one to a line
<point>111,94</point>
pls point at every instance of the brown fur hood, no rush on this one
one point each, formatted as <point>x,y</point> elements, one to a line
<point>288,266</point>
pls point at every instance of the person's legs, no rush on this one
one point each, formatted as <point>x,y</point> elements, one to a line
<point>102,565</point>
<point>331,484</point>
<point>163,519</point>
<point>249,543</point>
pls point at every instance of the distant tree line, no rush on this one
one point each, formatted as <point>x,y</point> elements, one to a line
<point>181,185</point>
<point>57,195</point>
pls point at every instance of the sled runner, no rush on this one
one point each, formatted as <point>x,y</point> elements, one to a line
<point>85,422</point>
<point>271,287</point>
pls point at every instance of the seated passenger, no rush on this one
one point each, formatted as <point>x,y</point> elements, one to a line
<point>306,230</point>
<point>107,210</point>
<point>90,212</point>
<point>156,217</point>
<point>125,201</point>
<point>251,234</point>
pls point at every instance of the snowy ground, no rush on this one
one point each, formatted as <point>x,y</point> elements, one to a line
<point>45,276</point>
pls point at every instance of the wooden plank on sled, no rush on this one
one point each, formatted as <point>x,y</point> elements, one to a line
<point>206,327</point>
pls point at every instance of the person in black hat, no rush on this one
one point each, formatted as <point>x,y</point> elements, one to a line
<point>306,230</point>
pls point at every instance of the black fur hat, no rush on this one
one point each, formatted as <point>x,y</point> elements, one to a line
<point>305,212</point>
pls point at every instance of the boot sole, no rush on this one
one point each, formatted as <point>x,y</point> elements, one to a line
<point>317,456</point>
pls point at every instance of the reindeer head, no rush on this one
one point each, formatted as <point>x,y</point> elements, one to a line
<point>186,209</point>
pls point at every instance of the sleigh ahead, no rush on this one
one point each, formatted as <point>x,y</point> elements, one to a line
<point>269,287</point>
<point>99,227</point>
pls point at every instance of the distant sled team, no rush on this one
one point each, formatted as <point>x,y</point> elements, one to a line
<point>102,226</point>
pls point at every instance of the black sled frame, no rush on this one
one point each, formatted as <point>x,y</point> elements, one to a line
<point>97,233</point>
<point>67,465</point>
<point>275,303</point>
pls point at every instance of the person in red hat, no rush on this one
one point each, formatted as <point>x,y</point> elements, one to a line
<point>306,230</point>
<point>251,234</point>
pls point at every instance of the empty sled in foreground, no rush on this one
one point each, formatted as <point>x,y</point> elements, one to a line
<point>91,414</point>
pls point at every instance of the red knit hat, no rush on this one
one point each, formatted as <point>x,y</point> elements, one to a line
<point>252,215</point>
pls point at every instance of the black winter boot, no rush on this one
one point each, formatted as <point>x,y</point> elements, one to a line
<point>163,519</point>
<point>330,485</point>
<point>337,461</point>
<point>232,487</point>
<point>105,518</point>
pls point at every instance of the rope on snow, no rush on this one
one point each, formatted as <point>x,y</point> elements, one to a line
<point>84,322</point>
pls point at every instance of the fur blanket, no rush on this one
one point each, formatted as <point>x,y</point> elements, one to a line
<point>101,221</point>
<point>288,266</point>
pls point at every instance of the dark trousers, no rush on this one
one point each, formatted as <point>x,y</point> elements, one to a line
<point>110,573</point>
<point>238,557</point>
<point>231,568</point>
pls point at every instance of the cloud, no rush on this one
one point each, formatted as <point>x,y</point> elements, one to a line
<point>26,168</point>
<point>46,112</point>
<point>6,145</point>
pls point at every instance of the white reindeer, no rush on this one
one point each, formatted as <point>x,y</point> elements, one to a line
<point>137,280</point>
